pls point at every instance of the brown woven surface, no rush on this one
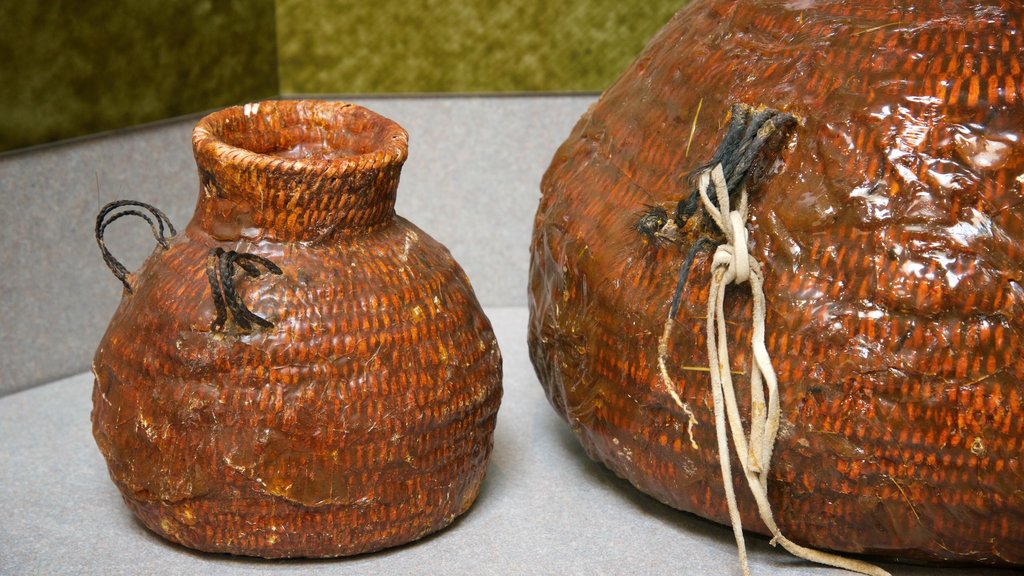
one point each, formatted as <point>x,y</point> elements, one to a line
<point>363,418</point>
<point>890,238</point>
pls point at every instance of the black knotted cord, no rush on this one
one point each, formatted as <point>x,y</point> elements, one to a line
<point>221,274</point>
<point>752,141</point>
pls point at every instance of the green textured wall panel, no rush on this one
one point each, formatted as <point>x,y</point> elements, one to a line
<point>71,68</point>
<point>359,46</point>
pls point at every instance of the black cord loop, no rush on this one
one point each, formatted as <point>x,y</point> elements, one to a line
<point>158,223</point>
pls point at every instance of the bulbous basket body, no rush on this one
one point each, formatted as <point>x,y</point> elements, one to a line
<point>890,233</point>
<point>363,416</point>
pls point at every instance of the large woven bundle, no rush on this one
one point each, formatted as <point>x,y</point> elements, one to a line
<point>888,219</point>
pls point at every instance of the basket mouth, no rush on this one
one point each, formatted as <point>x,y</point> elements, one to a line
<point>299,136</point>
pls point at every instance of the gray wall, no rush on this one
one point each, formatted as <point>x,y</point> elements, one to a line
<point>471,181</point>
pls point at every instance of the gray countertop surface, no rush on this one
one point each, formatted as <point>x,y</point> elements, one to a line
<point>545,507</point>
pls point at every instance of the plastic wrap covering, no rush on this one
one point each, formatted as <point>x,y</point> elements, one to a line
<point>299,372</point>
<point>890,228</point>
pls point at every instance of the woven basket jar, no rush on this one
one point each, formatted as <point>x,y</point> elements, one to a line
<point>300,372</point>
<point>889,226</point>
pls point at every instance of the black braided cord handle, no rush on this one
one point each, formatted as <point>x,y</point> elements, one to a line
<point>158,223</point>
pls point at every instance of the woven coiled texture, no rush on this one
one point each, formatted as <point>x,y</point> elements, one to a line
<point>890,233</point>
<point>363,418</point>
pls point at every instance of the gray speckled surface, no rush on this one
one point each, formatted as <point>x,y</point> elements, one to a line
<point>544,509</point>
<point>471,181</point>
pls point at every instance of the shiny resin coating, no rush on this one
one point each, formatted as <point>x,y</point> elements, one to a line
<point>363,418</point>
<point>890,231</point>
